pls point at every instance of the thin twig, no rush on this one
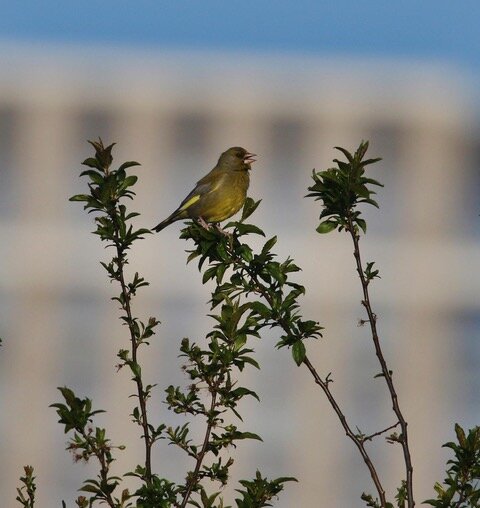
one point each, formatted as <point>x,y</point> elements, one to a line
<point>140,392</point>
<point>380,432</point>
<point>358,442</point>
<point>193,479</point>
<point>324,386</point>
<point>386,372</point>
<point>103,466</point>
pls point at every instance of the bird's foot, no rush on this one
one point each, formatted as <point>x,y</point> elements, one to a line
<point>205,225</point>
<point>222,231</point>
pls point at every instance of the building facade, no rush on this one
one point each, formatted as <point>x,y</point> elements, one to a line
<point>175,113</point>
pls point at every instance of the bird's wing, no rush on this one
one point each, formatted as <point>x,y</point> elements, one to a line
<point>209,176</point>
<point>204,186</point>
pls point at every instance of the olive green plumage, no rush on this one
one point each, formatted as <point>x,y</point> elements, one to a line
<point>220,193</point>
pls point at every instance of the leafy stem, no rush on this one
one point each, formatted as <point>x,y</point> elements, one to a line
<point>341,189</point>
<point>209,367</point>
<point>193,479</point>
<point>26,493</point>
<point>76,415</point>
<point>262,290</point>
<point>108,188</point>
<point>126,305</point>
<point>261,275</point>
<point>103,455</point>
<point>461,488</point>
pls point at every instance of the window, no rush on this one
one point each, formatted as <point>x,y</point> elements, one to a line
<point>7,139</point>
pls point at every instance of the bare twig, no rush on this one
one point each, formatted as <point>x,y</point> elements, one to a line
<point>380,432</point>
<point>359,443</point>
<point>385,370</point>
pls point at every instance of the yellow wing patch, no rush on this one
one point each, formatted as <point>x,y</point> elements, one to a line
<point>196,197</point>
<point>190,202</point>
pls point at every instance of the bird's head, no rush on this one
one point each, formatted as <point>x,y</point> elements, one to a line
<point>236,159</point>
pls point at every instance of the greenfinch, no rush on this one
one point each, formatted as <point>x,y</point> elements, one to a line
<point>219,194</point>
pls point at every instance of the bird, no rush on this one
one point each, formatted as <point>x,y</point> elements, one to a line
<point>219,194</point>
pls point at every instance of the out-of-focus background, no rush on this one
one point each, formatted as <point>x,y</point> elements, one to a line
<point>174,84</point>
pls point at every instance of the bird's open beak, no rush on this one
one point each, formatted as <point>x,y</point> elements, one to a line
<point>250,157</point>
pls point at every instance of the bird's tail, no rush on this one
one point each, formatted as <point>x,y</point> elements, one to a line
<point>162,225</point>
<point>176,215</point>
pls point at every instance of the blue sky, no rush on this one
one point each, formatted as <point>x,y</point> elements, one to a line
<point>438,30</point>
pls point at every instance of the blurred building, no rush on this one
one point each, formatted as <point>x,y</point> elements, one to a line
<point>175,112</point>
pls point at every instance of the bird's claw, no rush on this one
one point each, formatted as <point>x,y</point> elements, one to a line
<point>222,231</point>
<point>205,225</point>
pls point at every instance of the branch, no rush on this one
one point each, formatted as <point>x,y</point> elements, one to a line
<point>104,469</point>
<point>380,432</point>
<point>126,305</point>
<point>359,443</point>
<point>193,479</point>
<point>26,493</point>
<point>385,370</point>
<point>260,288</point>
<point>107,190</point>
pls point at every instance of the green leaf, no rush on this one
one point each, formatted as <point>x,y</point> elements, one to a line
<point>261,309</point>
<point>248,435</point>
<point>347,154</point>
<point>80,197</point>
<point>269,244</point>
<point>220,273</point>
<point>362,225</point>
<point>136,369</point>
<point>129,182</point>
<point>192,255</point>
<point>246,252</point>
<point>249,207</point>
<point>460,435</point>
<point>209,274</point>
<point>326,227</point>
<point>244,229</point>
<point>372,161</point>
<point>90,488</point>
<point>242,392</point>
<point>284,479</point>
<point>94,176</point>
<point>240,342</point>
<point>92,163</point>
<point>299,352</point>
<point>128,164</point>
<point>251,361</point>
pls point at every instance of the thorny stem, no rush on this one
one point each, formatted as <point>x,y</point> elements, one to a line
<point>385,371</point>
<point>193,478</point>
<point>138,380</point>
<point>359,443</point>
